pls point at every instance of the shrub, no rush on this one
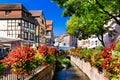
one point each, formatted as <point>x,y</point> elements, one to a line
<point>117,47</point>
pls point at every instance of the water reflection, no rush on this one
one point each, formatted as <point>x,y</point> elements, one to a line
<point>70,73</point>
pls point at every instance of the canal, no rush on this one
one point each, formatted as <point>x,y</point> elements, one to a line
<point>69,73</point>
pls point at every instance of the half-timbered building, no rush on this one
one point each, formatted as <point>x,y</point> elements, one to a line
<point>17,22</point>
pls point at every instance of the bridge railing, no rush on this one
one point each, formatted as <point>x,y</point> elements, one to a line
<point>41,73</point>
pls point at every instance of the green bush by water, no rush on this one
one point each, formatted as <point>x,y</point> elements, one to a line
<point>63,60</point>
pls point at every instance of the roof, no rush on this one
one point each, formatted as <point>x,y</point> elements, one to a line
<point>18,6</point>
<point>64,35</point>
<point>36,13</point>
<point>49,22</point>
<point>10,6</point>
<point>49,28</point>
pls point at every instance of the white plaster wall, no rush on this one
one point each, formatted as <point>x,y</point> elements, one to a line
<point>79,43</point>
<point>88,43</point>
<point>86,67</point>
<point>67,41</point>
<point>3,27</point>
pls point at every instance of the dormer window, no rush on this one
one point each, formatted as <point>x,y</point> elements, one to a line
<point>42,21</point>
<point>7,12</point>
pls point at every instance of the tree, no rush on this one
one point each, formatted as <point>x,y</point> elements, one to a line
<point>89,16</point>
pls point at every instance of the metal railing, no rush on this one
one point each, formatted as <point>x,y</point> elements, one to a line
<point>9,76</point>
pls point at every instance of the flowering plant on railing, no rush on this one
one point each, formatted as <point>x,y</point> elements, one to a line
<point>48,53</point>
<point>51,56</point>
<point>39,59</point>
<point>52,51</point>
<point>107,60</point>
<point>22,60</point>
<point>111,62</point>
<point>76,52</point>
<point>43,50</point>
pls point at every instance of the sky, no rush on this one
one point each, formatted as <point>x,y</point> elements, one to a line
<point>50,10</point>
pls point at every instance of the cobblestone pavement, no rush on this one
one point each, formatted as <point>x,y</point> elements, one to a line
<point>72,73</point>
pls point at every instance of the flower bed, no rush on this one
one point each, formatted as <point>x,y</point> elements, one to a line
<point>24,60</point>
<point>106,60</point>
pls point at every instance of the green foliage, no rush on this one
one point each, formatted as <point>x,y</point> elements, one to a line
<point>86,54</point>
<point>50,58</point>
<point>2,68</point>
<point>39,59</point>
<point>115,54</point>
<point>117,47</point>
<point>89,16</point>
<point>63,60</point>
<point>107,59</point>
<point>100,48</point>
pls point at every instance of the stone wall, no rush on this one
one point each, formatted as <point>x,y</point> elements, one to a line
<point>43,73</point>
<point>90,71</point>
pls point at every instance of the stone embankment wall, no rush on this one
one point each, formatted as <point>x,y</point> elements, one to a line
<point>90,71</point>
<point>43,73</point>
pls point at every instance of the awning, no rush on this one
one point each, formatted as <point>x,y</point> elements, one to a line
<point>8,40</point>
<point>5,45</point>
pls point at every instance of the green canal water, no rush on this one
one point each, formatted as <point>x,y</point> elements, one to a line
<point>67,70</point>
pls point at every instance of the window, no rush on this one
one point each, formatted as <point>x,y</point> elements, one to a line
<point>32,26</point>
<point>48,40</point>
<point>7,12</point>
<point>13,21</point>
<point>25,35</point>
<point>32,36</point>
<point>42,31</point>
<point>42,21</point>
<point>17,20</point>
<point>9,21</point>
<point>19,24</point>
<point>48,33</point>
<point>26,24</point>
<point>36,39</point>
<point>26,15</point>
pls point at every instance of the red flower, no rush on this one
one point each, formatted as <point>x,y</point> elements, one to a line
<point>52,50</point>
<point>112,45</point>
<point>118,65</point>
<point>31,58</point>
<point>19,57</point>
<point>118,72</point>
<point>2,61</point>
<point>43,50</point>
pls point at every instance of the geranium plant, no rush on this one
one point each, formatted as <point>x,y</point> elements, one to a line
<point>50,57</point>
<point>48,53</point>
<point>43,50</point>
<point>22,60</point>
<point>111,62</point>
